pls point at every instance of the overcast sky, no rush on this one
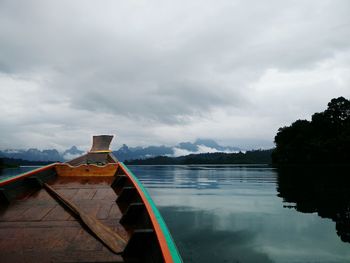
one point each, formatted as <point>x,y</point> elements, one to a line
<point>162,72</point>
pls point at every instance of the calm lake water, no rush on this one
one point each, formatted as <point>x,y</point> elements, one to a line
<point>252,213</point>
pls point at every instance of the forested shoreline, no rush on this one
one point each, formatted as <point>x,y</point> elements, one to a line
<point>324,141</point>
<point>249,157</point>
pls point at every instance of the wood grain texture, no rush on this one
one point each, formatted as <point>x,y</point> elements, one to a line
<point>63,169</point>
<point>37,229</point>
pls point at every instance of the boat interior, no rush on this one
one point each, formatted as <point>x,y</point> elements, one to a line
<point>39,225</point>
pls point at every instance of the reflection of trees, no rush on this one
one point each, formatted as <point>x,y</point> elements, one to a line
<point>326,192</point>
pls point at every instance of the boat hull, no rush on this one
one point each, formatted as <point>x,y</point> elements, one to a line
<point>34,227</point>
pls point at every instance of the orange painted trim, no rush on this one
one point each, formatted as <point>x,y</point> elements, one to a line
<point>27,174</point>
<point>65,169</point>
<point>161,238</point>
<point>101,151</point>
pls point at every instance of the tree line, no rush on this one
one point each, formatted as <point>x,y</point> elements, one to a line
<point>325,140</point>
<point>249,157</point>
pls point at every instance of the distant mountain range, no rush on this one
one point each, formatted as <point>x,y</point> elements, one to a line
<point>36,155</point>
<point>125,152</point>
<point>184,148</point>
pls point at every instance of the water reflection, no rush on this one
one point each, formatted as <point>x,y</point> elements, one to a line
<point>325,192</point>
<point>233,214</point>
<point>200,238</point>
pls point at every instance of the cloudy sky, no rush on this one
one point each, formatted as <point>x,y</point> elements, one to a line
<point>161,72</point>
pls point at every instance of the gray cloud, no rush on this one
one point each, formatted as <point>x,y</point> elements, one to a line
<point>166,71</point>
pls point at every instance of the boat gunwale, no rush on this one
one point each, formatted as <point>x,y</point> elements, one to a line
<point>12,179</point>
<point>9,180</point>
<point>168,247</point>
<point>166,242</point>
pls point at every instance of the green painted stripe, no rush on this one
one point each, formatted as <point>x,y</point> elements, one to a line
<point>7,177</point>
<point>170,242</point>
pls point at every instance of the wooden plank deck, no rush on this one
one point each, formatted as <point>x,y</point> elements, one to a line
<point>38,229</point>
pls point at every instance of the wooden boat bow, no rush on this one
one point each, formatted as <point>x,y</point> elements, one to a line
<point>99,190</point>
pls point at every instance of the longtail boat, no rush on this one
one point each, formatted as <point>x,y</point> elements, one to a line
<point>89,209</point>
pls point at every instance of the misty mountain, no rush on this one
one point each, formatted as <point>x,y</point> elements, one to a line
<point>181,149</point>
<point>130,153</point>
<point>36,155</point>
<point>124,152</point>
<point>72,153</point>
<point>33,155</point>
<point>195,147</point>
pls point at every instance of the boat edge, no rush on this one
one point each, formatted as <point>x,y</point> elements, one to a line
<point>166,242</point>
<point>11,179</point>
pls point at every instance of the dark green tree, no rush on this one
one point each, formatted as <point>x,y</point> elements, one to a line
<point>323,140</point>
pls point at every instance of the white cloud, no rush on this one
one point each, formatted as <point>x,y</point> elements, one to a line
<point>201,149</point>
<point>180,152</point>
<point>161,72</point>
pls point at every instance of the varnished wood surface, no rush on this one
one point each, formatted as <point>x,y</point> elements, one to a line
<point>36,228</point>
<point>109,237</point>
<point>64,169</point>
